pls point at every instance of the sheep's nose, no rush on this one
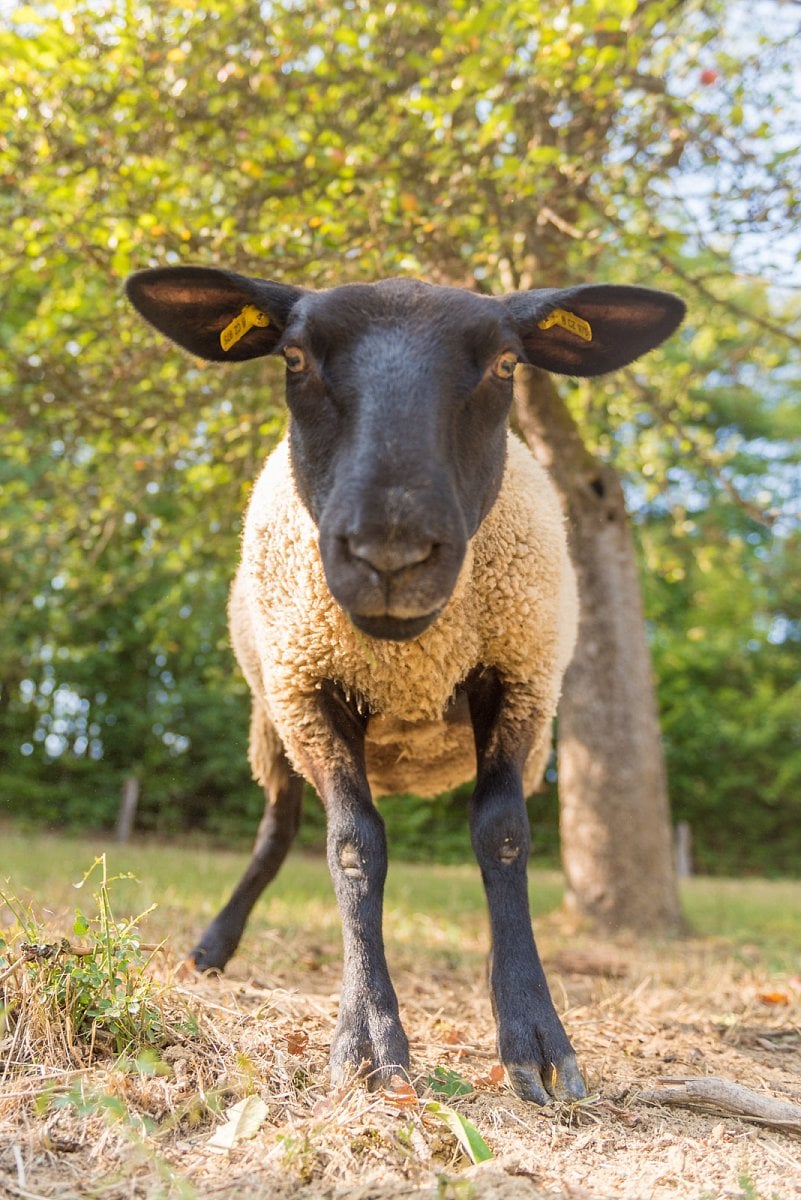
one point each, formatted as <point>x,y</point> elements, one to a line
<point>389,556</point>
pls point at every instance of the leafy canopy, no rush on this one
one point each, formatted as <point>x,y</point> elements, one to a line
<point>495,145</point>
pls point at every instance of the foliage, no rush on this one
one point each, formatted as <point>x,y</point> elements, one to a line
<point>726,643</point>
<point>493,145</point>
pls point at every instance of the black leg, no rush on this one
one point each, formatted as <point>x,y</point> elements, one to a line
<point>276,832</point>
<point>369,1031</point>
<point>532,1043</point>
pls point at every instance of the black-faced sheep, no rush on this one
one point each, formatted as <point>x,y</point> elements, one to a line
<point>405,605</point>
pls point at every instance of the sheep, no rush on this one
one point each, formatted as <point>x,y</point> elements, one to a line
<point>405,606</point>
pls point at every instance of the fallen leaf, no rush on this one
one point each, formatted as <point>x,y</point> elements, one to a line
<point>493,1078</point>
<point>243,1121</point>
<point>400,1093</point>
<point>297,1041</point>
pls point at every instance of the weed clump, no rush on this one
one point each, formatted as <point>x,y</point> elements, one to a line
<point>86,999</point>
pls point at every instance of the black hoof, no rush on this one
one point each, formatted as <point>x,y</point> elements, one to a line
<point>214,950</point>
<point>375,1050</point>
<point>540,1085</point>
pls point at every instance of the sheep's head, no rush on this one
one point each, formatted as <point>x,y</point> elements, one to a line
<point>398,395</point>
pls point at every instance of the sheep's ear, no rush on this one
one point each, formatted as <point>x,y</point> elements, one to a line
<point>594,328</point>
<point>215,314</point>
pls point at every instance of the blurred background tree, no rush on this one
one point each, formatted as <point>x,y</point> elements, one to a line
<point>492,145</point>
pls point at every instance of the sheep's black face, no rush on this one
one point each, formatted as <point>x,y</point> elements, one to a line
<point>398,394</point>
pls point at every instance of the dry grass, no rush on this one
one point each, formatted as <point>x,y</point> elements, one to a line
<point>77,1120</point>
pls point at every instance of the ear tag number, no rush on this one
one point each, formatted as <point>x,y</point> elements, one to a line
<point>567,320</point>
<point>249,316</point>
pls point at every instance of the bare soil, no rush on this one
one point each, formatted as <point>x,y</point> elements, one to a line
<point>74,1123</point>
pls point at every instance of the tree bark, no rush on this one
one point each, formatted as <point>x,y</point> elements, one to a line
<point>615,821</point>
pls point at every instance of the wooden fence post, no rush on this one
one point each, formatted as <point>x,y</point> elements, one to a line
<point>127,814</point>
<point>684,850</point>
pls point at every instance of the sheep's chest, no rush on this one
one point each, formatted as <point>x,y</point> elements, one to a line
<point>424,757</point>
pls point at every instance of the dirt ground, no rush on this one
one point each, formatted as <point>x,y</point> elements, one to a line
<point>636,1014</point>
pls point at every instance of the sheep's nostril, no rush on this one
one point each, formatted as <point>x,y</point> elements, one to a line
<point>387,557</point>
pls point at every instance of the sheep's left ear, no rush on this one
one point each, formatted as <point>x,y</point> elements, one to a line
<point>217,315</point>
<point>594,328</point>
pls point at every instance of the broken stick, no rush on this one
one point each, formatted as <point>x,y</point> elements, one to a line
<point>724,1098</point>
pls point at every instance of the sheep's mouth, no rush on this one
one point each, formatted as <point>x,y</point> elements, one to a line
<point>394,629</point>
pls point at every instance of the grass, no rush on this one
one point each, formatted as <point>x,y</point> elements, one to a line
<point>756,915</point>
<point>188,883</point>
<point>440,906</point>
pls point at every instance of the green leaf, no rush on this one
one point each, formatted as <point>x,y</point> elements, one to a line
<point>80,926</point>
<point>448,1083</point>
<point>463,1130</point>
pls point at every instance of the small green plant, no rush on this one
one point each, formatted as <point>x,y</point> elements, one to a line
<point>465,1132</point>
<point>98,993</point>
<point>444,1082</point>
<point>450,1084</point>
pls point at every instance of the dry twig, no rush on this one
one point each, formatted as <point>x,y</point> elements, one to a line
<point>724,1098</point>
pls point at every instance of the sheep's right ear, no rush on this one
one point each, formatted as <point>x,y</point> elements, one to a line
<point>217,315</point>
<point>593,328</point>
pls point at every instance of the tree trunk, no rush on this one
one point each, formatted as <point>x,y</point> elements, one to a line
<point>615,822</point>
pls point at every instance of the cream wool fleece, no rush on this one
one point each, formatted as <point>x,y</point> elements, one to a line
<point>514,608</point>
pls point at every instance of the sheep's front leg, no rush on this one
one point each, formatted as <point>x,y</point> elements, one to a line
<point>532,1043</point>
<point>276,831</point>
<point>369,1034</point>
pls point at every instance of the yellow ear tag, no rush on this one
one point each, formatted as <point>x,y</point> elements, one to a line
<point>569,321</point>
<point>249,316</point>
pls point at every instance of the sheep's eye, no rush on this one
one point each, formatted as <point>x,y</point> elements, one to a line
<point>295,359</point>
<point>504,365</point>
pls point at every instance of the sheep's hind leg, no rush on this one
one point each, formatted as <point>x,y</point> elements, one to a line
<point>369,1036</point>
<point>532,1043</point>
<point>276,832</point>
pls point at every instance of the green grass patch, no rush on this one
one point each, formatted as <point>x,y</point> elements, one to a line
<point>432,908</point>
<point>760,917</point>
